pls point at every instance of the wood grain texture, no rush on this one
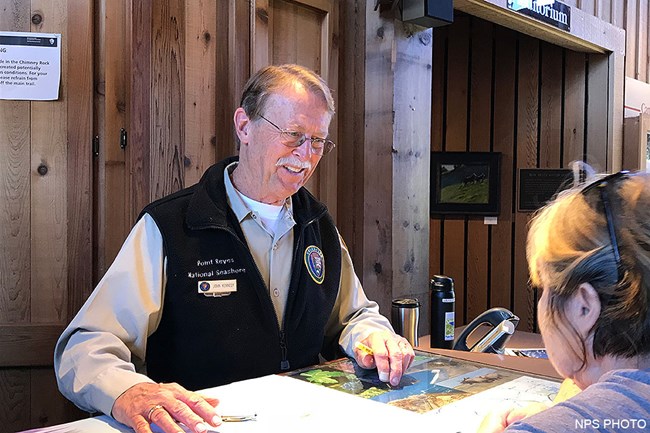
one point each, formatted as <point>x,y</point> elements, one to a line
<point>438,106</point>
<point>377,158</point>
<point>526,157</point>
<point>49,217</point>
<point>597,111</point>
<point>618,13</point>
<point>79,180</point>
<point>167,95</point>
<point>28,344</point>
<point>456,140</point>
<point>140,114</point>
<point>15,206</point>
<point>200,91</point>
<point>604,10</point>
<point>480,121</point>
<point>113,182</point>
<point>501,248</point>
<point>631,31</point>
<point>574,107</point>
<point>261,45</point>
<point>642,41</point>
<point>14,399</point>
<point>550,127</point>
<point>233,49</point>
<point>411,161</point>
<point>351,136</point>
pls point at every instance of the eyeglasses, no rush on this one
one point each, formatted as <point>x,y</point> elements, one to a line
<point>319,146</point>
<point>601,185</point>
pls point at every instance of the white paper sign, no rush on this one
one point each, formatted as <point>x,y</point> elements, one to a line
<point>30,66</point>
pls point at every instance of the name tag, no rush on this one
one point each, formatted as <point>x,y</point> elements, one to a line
<point>217,287</point>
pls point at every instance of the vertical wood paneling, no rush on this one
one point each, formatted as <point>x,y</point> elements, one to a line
<point>631,31</point>
<point>233,49</point>
<point>14,399</point>
<point>112,181</point>
<point>46,410</point>
<point>597,108</point>
<point>80,128</point>
<point>410,152</point>
<point>550,128</point>
<point>167,93</point>
<point>527,125</point>
<point>479,141</point>
<point>604,10</point>
<point>642,41</point>
<point>48,192</point>
<point>140,113</point>
<point>456,140</point>
<point>377,158</point>
<point>438,98</point>
<point>503,141</point>
<point>574,107</point>
<point>14,190</point>
<point>618,13</point>
<point>261,30</point>
<point>351,117</point>
<point>200,94</point>
<point>588,6</point>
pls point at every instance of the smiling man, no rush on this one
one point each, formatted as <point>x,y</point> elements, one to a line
<point>242,275</point>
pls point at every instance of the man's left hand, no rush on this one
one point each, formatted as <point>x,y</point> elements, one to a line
<point>392,355</point>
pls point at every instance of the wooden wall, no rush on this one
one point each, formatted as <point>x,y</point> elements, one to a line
<point>45,215</point>
<point>634,17</point>
<point>527,99</point>
<point>170,72</point>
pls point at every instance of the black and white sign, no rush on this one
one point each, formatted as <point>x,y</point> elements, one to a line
<point>551,12</point>
<point>30,66</point>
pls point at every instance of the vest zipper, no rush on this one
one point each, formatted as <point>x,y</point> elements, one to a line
<point>284,362</point>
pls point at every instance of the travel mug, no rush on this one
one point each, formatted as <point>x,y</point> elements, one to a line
<point>405,315</point>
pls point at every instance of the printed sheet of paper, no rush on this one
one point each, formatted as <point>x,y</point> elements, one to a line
<point>30,66</point>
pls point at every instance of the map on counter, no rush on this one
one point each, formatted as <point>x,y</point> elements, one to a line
<point>432,383</point>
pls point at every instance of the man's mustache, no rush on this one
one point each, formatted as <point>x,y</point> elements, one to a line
<point>294,162</point>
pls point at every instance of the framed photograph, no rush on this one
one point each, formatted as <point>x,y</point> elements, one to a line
<point>465,183</point>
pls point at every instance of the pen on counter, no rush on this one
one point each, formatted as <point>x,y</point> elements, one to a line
<point>365,349</point>
<point>238,418</point>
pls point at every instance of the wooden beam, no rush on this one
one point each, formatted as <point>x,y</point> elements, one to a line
<point>28,345</point>
<point>588,33</point>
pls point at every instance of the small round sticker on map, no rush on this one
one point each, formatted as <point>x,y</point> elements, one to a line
<point>315,262</point>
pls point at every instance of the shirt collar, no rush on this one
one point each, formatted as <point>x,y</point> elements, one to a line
<point>237,205</point>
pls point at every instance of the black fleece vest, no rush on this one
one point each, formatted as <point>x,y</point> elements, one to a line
<point>209,341</point>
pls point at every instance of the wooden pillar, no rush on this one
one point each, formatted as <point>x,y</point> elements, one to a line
<point>385,125</point>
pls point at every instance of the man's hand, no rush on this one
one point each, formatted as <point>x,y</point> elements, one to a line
<point>392,355</point>
<point>165,404</point>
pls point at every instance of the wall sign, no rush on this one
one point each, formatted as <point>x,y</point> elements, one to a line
<point>30,66</point>
<point>551,12</point>
<point>537,186</point>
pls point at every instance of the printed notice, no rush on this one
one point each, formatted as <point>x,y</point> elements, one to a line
<point>30,66</point>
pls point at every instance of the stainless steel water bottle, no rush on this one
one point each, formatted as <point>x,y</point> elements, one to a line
<point>405,316</point>
<point>442,319</point>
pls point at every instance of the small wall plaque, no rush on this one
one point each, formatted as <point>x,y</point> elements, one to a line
<point>537,186</point>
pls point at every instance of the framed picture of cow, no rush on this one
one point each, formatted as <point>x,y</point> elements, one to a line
<point>465,183</point>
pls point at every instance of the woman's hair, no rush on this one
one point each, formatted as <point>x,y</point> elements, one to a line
<point>272,79</point>
<point>569,243</point>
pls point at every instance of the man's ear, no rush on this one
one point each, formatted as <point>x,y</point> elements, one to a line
<point>242,123</point>
<point>583,309</point>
